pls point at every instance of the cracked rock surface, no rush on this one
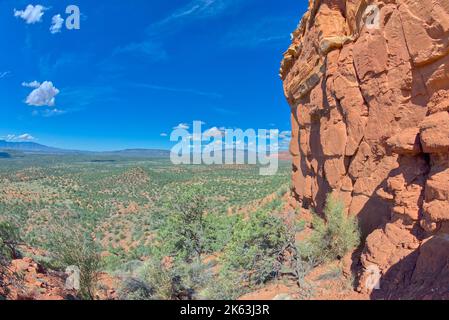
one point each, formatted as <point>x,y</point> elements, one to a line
<point>368,86</point>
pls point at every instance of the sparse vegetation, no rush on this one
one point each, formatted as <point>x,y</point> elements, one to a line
<point>73,247</point>
<point>9,240</point>
<point>333,237</point>
<point>182,235</point>
<point>255,247</point>
<point>193,228</point>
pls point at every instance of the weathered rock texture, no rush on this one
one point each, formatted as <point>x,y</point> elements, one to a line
<point>368,85</point>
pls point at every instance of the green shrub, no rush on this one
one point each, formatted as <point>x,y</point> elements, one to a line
<point>218,227</point>
<point>9,240</point>
<point>115,260</point>
<point>135,289</point>
<point>73,247</point>
<point>182,234</point>
<point>183,281</point>
<point>190,231</point>
<point>255,247</point>
<point>282,191</point>
<point>333,238</point>
<point>227,286</point>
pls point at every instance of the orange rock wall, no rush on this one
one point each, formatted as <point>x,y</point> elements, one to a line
<point>370,123</point>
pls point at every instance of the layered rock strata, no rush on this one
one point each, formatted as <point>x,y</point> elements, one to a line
<point>368,86</point>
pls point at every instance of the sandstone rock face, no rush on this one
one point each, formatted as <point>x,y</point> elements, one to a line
<point>368,86</point>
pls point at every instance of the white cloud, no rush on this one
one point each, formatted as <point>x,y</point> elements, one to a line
<point>213,133</point>
<point>267,32</point>
<point>10,137</point>
<point>197,8</point>
<point>44,95</point>
<point>26,137</point>
<point>32,14</point>
<point>201,8</point>
<point>21,137</point>
<point>189,13</point>
<point>163,134</point>
<point>53,112</point>
<point>182,126</point>
<point>33,84</point>
<point>56,24</point>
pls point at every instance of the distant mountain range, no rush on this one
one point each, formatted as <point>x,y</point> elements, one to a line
<point>8,149</point>
<point>36,148</point>
<point>29,147</point>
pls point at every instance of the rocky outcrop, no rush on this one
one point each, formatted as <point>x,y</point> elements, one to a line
<point>25,279</point>
<point>368,86</point>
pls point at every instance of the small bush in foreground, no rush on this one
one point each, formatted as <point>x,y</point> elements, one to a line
<point>158,281</point>
<point>71,247</point>
<point>227,286</point>
<point>182,234</point>
<point>255,248</point>
<point>333,238</point>
<point>9,240</point>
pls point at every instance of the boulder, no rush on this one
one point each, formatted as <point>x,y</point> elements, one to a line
<point>406,142</point>
<point>435,133</point>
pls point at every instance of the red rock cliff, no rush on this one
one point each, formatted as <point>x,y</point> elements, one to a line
<point>368,86</point>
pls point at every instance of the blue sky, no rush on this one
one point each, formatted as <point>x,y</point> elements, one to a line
<point>137,69</point>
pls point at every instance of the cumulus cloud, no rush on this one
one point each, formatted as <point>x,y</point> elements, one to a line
<point>182,126</point>
<point>31,14</point>
<point>26,137</point>
<point>42,95</point>
<point>21,137</point>
<point>213,133</point>
<point>163,134</point>
<point>33,84</point>
<point>56,24</point>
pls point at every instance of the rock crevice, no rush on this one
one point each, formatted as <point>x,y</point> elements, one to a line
<point>368,85</point>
